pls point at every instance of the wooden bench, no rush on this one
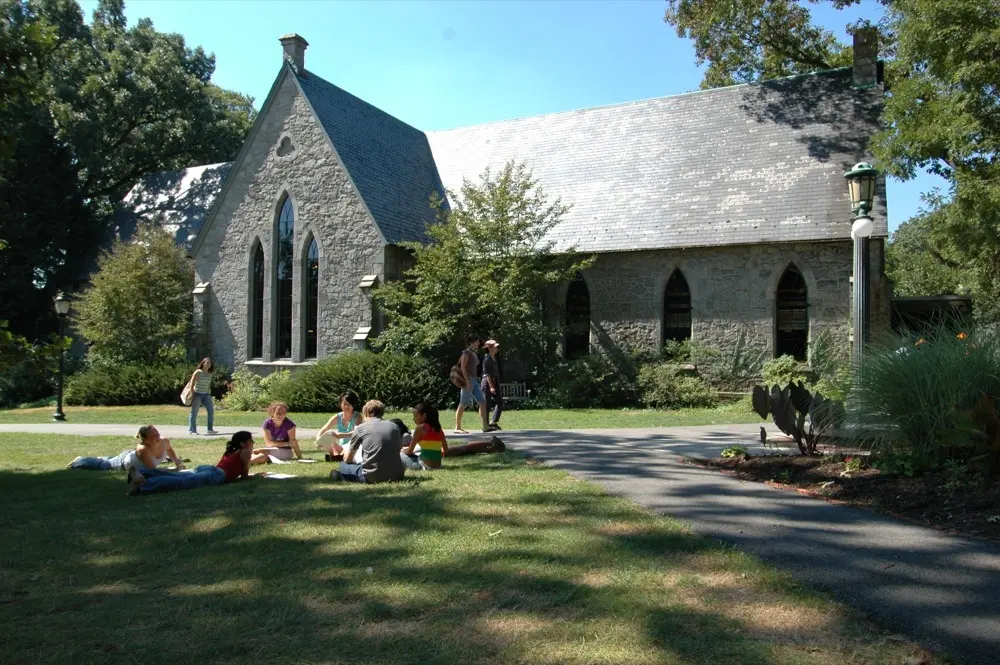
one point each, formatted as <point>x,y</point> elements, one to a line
<point>514,391</point>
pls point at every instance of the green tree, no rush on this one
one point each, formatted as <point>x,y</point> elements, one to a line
<point>917,267</point>
<point>89,110</point>
<point>138,307</point>
<point>485,270</point>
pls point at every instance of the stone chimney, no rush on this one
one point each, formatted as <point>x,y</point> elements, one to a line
<point>294,47</point>
<point>865,57</point>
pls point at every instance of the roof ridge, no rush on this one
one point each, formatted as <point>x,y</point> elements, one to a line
<point>834,70</point>
<point>310,75</point>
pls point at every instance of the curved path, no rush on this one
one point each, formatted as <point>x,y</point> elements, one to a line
<point>940,590</point>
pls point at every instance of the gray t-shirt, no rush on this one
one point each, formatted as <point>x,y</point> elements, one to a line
<point>380,443</point>
<point>473,362</point>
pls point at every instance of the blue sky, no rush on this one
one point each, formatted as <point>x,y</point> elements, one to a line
<point>438,65</point>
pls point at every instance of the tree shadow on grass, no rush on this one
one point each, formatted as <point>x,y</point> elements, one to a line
<point>303,571</point>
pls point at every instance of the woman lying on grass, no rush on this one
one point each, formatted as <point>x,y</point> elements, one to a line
<point>149,452</point>
<point>428,435</point>
<point>279,437</point>
<point>233,466</point>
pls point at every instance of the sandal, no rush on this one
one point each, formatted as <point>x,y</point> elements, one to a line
<point>461,431</point>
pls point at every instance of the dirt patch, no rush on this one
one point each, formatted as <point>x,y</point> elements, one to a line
<point>963,503</point>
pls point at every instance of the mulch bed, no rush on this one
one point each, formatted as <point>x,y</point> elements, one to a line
<point>961,503</point>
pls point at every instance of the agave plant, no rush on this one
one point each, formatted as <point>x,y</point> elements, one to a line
<point>798,413</point>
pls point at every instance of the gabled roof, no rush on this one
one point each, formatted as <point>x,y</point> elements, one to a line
<point>389,161</point>
<point>178,201</point>
<point>756,163</point>
<point>739,165</point>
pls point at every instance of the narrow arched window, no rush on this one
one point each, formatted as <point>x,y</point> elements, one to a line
<point>677,309</point>
<point>792,316</point>
<point>577,319</point>
<point>283,266</point>
<point>311,278</point>
<point>257,303</point>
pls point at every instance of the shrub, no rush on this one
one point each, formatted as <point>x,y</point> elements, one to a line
<point>734,369</point>
<point>35,375</point>
<point>588,382</point>
<point>781,371</point>
<point>398,381</point>
<point>667,386</point>
<point>934,400</point>
<point>128,385</point>
<point>246,392</point>
<point>831,364</point>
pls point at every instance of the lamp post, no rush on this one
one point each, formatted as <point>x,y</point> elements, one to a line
<point>861,186</point>
<point>62,309</point>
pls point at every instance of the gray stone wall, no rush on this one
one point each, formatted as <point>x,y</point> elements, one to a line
<point>732,290</point>
<point>326,206</point>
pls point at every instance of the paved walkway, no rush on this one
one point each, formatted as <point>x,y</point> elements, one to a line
<point>941,590</point>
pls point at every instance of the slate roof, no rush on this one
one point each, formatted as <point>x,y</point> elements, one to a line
<point>756,163</point>
<point>390,161</point>
<point>745,164</point>
<point>179,201</point>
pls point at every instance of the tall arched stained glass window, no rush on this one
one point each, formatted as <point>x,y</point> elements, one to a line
<point>792,316</point>
<point>283,265</point>
<point>257,303</point>
<point>677,309</point>
<point>311,279</point>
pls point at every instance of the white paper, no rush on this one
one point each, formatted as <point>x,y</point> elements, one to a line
<point>279,476</point>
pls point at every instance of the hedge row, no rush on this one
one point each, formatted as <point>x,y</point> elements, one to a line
<point>130,385</point>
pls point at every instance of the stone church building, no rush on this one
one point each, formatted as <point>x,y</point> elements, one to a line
<point>712,213</point>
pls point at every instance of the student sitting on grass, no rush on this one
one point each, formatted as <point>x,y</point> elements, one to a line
<point>429,436</point>
<point>233,466</point>
<point>279,437</point>
<point>380,442</point>
<point>148,453</point>
<point>333,442</point>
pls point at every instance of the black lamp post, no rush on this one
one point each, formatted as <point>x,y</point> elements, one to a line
<point>861,186</point>
<point>62,309</point>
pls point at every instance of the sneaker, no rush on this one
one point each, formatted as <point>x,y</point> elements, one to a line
<point>336,476</point>
<point>72,465</point>
<point>495,427</point>
<point>212,432</point>
<point>193,432</point>
<point>497,445</point>
<point>333,458</point>
<point>134,483</point>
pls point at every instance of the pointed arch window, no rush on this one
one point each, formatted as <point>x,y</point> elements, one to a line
<point>283,266</point>
<point>257,302</point>
<point>311,279</point>
<point>792,315</point>
<point>677,309</point>
<point>577,319</point>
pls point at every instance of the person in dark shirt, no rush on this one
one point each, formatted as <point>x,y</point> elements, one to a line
<point>491,384</point>
<point>380,442</point>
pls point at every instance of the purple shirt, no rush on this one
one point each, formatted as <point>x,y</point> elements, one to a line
<point>279,433</point>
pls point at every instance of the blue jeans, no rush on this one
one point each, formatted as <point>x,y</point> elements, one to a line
<point>196,400</point>
<point>467,396</point>
<point>352,472</point>
<point>120,461</point>
<point>160,480</point>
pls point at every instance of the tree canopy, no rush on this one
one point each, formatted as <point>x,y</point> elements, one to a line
<point>138,306</point>
<point>484,271</point>
<point>941,113</point>
<point>86,110</point>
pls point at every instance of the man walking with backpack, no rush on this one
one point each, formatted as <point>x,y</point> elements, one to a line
<point>463,375</point>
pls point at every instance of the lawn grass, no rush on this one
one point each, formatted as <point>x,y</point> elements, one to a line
<point>495,559</point>
<point>528,419</point>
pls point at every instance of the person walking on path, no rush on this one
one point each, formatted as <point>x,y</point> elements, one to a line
<point>202,382</point>
<point>234,465</point>
<point>491,383</point>
<point>468,363</point>
<point>380,442</point>
<point>148,453</point>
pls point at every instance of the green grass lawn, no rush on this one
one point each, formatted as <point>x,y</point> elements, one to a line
<point>495,559</point>
<point>533,419</point>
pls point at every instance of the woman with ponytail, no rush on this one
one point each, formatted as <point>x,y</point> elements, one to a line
<point>234,465</point>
